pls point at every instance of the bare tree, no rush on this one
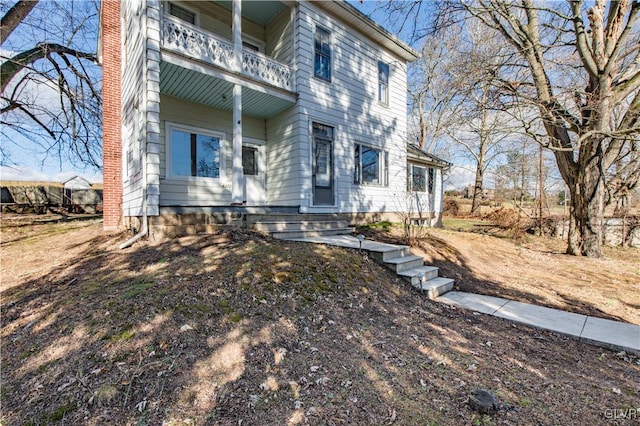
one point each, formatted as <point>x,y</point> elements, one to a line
<point>435,92</point>
<point>50,99</point>
<point>481,128</point>
<point>576,66</point>
<point>579,68</point>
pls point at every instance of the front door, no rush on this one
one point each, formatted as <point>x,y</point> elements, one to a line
<point>322,165</point>
<point>254,176</point>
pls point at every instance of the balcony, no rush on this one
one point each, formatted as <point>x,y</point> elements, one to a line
<point>188,40</point>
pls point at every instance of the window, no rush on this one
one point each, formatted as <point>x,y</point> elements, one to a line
<point>322,60</point>
<point>432,177</point>
<point>418,179</point>
<point>249,161</point>
<point>421,179</point>
<point>182,13</point>
<point>370,166</point>
<point>383,83</point>
<point>195,153</point>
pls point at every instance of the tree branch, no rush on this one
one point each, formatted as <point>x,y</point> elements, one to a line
<point>11,67</point>
<point>14,16</point>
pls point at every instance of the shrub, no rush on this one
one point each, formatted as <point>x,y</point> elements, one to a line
<point>451,207</point>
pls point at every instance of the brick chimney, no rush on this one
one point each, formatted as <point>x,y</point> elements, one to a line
<point>111,115</point>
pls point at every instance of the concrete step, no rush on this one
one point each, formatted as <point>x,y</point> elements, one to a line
<point>436,287</point>
<point>302,225</point>
<point>404,263</point>
<point>419,275</point>
<point>295,234</point>
<point>384,254</point>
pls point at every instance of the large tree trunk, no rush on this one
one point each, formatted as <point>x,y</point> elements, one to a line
<point>587,213</point>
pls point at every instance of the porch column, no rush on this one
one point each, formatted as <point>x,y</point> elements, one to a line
<point>237,181</point>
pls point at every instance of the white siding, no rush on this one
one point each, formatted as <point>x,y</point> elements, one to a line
<point>133,112</point>
<point>195,191</point>
<point>286,158</point>
<point>152,102</point>
<point>280,37</point>
<point>349,103</point>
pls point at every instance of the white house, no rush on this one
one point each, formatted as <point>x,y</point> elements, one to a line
<point>216,110</point>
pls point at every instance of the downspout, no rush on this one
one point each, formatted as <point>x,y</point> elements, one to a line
<point>145,221</point>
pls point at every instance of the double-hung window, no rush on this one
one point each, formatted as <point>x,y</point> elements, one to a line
<point>195,152</point>
<point>370,166</point>
<point>322,58</point>
<point>383,83</point>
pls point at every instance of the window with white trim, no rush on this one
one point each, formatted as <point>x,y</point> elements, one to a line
<point>432,179</point>
<point>194,152</point>
<point>370,166</point>
<point>383,83</point>
<point>322,59</point>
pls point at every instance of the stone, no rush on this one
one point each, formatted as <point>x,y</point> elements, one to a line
<point>483,401</point>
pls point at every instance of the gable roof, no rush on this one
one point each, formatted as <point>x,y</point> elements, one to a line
<point>418,155</point>
<point>368,27</point>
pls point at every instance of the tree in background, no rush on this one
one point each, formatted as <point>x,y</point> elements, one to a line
<point>50,99</point>
<point>435,92</point>
<point>577,68</point>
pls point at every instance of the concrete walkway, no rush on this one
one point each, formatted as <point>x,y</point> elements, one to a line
<point>597,331</point>
<point>619,336</point>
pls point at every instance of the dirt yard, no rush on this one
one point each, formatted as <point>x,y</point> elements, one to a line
<point>236,328</point>
<point>532,269</point>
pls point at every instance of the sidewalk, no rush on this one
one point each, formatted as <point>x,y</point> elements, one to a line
<point>619,336</point>
<point>597,331</point>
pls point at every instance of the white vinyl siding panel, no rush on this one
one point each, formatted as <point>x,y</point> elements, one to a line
<point>349,102</point>
<point>199,192</point>
<point>286,156</point>
<point>133,86</point>
<point>279,37</point>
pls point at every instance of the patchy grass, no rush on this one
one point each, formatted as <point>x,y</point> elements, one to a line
<point>235,327</point>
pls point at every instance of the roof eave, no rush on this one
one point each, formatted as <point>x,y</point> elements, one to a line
<point>368,27</point>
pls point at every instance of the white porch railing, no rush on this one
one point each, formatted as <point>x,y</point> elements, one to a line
<point>186,39</point>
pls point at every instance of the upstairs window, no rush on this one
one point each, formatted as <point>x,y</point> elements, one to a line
<point>322,60</point>
<point>370,166</point>
<point>182,13</point>
<point>195,153</point>
<point>383,83</point>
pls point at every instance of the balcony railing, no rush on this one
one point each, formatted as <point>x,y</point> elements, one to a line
<point>183,38</point>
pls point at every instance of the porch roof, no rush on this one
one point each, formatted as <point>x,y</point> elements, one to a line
<point>368,27</point>
<point>209,90</point>
<point>418,155</point>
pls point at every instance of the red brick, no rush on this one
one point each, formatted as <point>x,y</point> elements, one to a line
<point>111,115</point>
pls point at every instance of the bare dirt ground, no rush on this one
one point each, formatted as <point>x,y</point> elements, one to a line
<point>236,328</point>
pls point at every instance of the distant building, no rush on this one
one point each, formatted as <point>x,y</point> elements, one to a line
<point>75,195</point>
